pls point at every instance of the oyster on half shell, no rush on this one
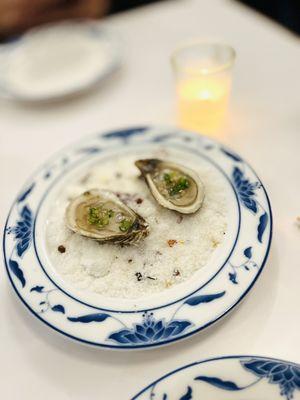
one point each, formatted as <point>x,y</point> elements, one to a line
<point>102,216</point>
<point>172,185</point>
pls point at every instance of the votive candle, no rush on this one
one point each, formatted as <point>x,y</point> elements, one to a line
<point>203,85</point>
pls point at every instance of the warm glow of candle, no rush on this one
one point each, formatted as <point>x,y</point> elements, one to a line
<point>203,72</point>
<point>202,102</point>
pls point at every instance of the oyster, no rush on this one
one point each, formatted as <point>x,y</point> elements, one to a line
<point>172,185</point>
<point>102,216</point>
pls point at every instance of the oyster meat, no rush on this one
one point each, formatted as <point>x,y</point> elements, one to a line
<point>172,185</point>
<point>102,216</point>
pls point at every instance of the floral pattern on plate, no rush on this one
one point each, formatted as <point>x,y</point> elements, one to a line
<point>156,324</point>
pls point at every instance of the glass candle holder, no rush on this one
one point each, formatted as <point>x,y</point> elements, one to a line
<point>203,73</point>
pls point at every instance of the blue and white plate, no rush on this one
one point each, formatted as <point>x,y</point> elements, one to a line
<point>57,60</point>
<point>174,314</point>
<point>232,377</point>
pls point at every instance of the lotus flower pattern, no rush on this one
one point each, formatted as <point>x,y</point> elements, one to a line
<point>23,230</point>
<point>245,189</point>
<point>287,376</point>
<point>150,331</point>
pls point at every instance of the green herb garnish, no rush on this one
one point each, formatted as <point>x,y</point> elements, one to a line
<point>181,184</point>
<point>175,183</point>
<point>99,216</point>
<point>167,178</point>
<point>125,225</point>
<point>111,213</point>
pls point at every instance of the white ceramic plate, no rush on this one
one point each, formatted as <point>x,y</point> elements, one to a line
<point>156,320</point>
<point>57,60</point>
<point>232,377</point>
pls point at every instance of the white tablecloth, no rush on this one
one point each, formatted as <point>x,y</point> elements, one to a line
<point>265,129</point>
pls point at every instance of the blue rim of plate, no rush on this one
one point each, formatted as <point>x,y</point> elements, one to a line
<point>146,320</point>
<point>259,366</point>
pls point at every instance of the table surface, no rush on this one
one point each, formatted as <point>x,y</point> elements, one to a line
<point>264,128</point>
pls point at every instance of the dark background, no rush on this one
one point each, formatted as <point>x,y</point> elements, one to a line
<point>285,12</point>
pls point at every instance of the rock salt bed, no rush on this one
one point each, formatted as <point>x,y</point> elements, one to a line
<point>175,249</point>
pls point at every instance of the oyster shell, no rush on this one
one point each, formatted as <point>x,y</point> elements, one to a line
<point>172,185</point>
<point>102,216</point>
